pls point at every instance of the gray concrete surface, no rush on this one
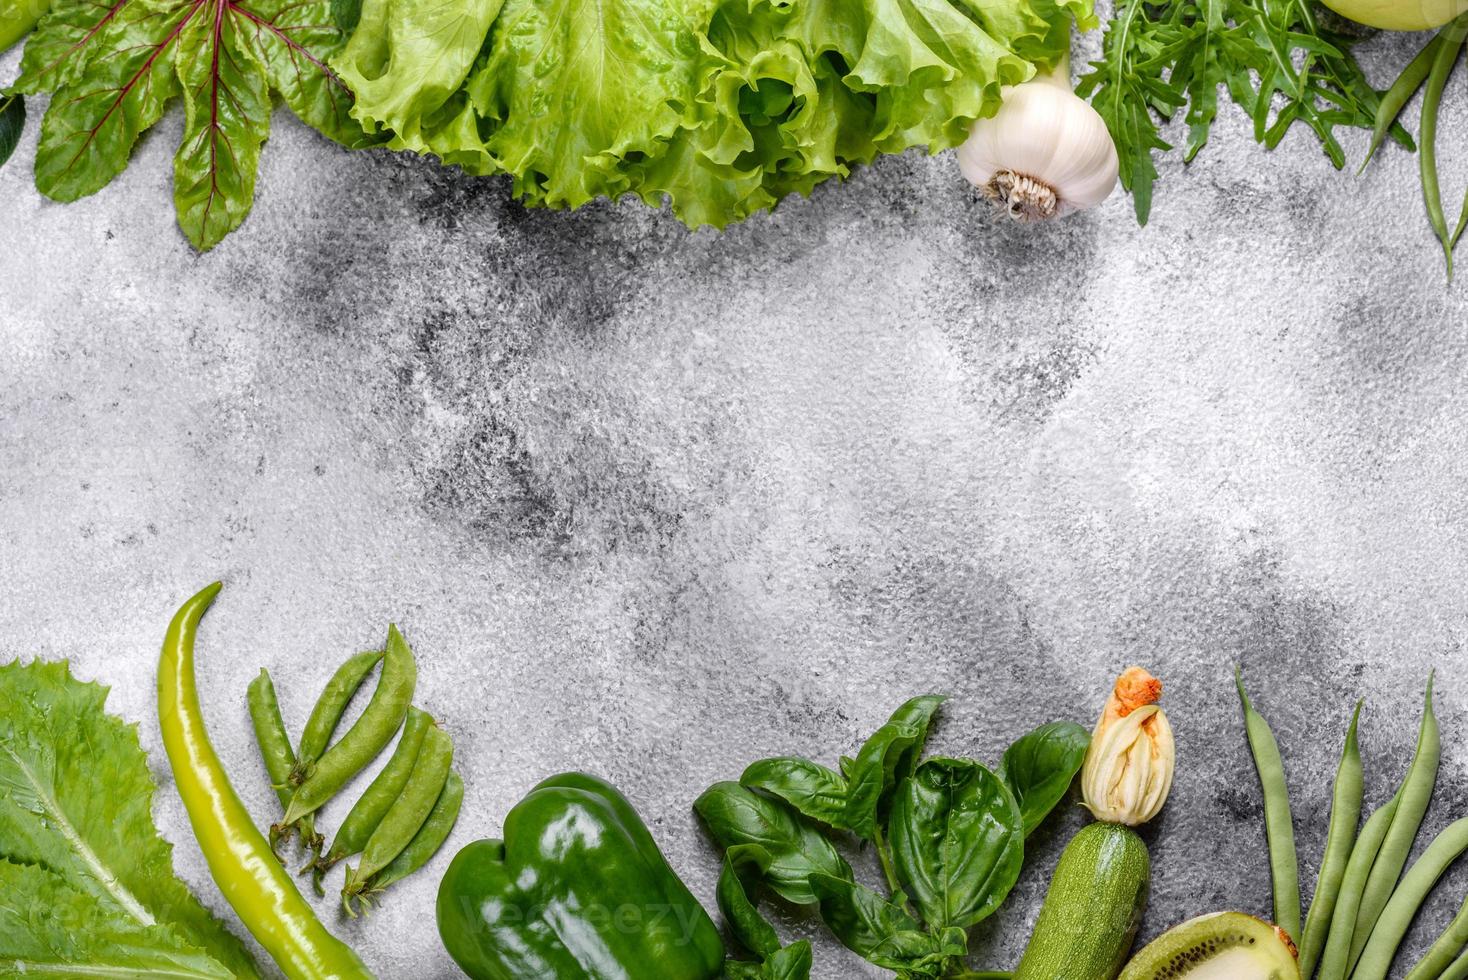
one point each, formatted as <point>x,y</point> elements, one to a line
<point>655,504</point>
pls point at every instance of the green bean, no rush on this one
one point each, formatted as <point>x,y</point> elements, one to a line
<point>329,710</point>
<point>1415,794</point>
<point>1458,971</point>
<point>1407,900</point>
<point>276,751</point>
<point>1348,903</point>
<point>1439,958</point>
<point>430,836</point>
<point>1284,864</point>
<point>379,797</point>
<point>407,815</point>
<point>367,736</point>
<point>1397,97</point>
<point>1345,814</point>
<point>1442,67</point>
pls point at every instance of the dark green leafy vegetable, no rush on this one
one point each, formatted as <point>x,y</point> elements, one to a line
<point>1040,766</point>
<point>957,841</point>
<point>113,67</point>
<point>12,123</point>
<point>882,931</point>
<point>887,758</point>
<point>1275,58</point>
<point>948,833</point>
<point>810,787</point>
<point>735,815</point>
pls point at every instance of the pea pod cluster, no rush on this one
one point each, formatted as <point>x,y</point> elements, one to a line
<point>405,814</point>
<point>1366,896</point>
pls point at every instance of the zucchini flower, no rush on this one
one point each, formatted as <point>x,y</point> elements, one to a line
<point>1128,768</point>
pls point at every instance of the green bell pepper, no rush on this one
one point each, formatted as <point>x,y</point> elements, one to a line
<point>577,890</point>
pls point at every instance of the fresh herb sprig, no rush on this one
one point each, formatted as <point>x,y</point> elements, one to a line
<point>948,833</point>
<point>1276,59</point>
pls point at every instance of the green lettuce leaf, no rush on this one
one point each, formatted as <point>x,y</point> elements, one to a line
<point>720,108</point>
<point>114,66</point>
<point>75,801</point>
<point>49,929</point>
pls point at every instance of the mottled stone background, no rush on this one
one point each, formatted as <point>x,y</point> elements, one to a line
<point>655,504</point>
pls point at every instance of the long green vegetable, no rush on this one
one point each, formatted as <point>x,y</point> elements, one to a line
<point>1396,846</point>
<point>1443,62</point>
<point>1345,813</point>
<point>1283,860</point>
<point>240,859</point>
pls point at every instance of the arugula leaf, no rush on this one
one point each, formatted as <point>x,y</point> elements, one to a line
<point>12,123</point>
<point>887,758</point>
<point>1040,766</point>
<point>957,841</point>
<point>75,800</point>
<point>1273,57</point>
<point>114,66</point>
<point>735,815</point>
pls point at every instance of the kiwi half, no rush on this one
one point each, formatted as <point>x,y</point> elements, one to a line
<point>1221,946</point>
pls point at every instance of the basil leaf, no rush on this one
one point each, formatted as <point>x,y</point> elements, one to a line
<point>735,815</point>
<point>1039,767</point>
<point>744,865</point>
<point>12,122</point>
<point>791,963</point>
<point>878,930</point>
<point>957,841</point>
<point>810,787</point>
<point>887,758</point>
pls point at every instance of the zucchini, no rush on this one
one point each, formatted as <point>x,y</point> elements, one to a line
<point>1093,908</point>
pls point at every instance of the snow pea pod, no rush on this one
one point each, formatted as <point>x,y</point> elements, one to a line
<point>408,813</point>
<point>379,797</point>
<point>367,736</point>
<point>329,709</point>
<point>430,837</point>
<point>276,751</point>
<point>239,858</point>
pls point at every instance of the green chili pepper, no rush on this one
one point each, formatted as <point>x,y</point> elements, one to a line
<point>367,737</point>
<point>329,709</point>
<point>379,797</point>
<point>239,858</point>
<point>577,890</point>
<point>276,751</point>
<point>406,816</point>
<point>428,840</point>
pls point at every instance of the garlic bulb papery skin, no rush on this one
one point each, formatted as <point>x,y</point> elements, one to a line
<point>1045,154</point>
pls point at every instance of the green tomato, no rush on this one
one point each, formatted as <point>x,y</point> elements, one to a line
<point>1399,15</point>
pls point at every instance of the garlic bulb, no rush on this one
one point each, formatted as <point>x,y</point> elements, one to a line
<point>1045,154</point>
